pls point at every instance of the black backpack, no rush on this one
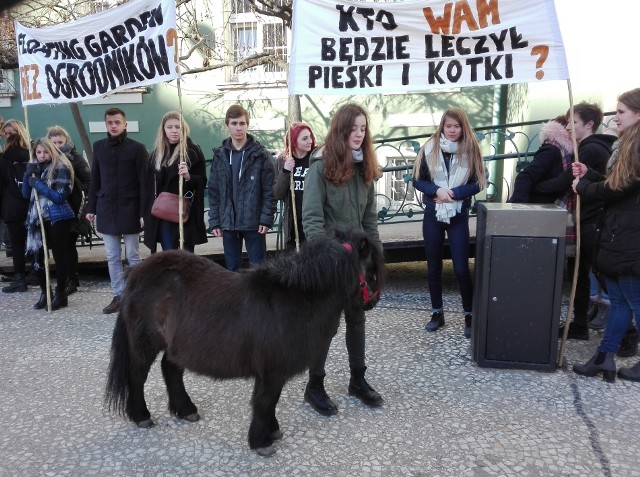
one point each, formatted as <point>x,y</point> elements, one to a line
<point>78,202</point>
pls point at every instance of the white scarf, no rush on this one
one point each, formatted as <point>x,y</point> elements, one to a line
<point>458,174</point>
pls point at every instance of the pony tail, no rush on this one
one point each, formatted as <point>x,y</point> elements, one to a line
<point>117,388</point>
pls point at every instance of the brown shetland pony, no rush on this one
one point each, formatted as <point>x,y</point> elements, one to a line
<point>268,323</point>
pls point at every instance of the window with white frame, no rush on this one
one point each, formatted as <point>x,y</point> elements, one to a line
<point>398,189</point>
<point>7,86</point>
<point>274,41</point>
<point>252,33</point>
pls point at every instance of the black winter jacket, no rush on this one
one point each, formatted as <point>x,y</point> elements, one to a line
<point>255,204</point>
<point>618,248</point>
<point>117,190</point>
<point>14,206</point>
<point>594,152</point>
<point>546,164</point>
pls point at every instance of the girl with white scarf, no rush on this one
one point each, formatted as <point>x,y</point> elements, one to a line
<point>449,171</point>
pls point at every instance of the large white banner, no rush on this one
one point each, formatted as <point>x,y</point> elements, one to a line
<point>353,47</point>
<point>135,44</point>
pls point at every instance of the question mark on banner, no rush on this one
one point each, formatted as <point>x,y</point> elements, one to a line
<point>543,51</point>
<point>172,40</point>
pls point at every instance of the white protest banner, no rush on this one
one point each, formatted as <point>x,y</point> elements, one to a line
<point>351,47</point>
<point>135,44</point>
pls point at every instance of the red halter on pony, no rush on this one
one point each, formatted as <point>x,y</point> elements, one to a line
<point>367,298</point>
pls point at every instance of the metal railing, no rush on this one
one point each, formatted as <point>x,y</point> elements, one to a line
<point>510,145</point>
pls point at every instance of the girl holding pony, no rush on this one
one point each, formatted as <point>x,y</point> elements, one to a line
<point>617,255</point>
<point>340,193</point>
<point>165,169</point>
<point>13,160</point>
<point>50,174</point>
<point>294,160</point>
<point>449,171</point>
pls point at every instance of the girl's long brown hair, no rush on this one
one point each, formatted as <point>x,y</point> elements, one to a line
<point>337,156</point>
<point>626,170</point>
<point>468,147</point>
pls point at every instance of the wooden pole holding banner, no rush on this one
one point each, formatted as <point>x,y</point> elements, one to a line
<point>576,265</point>
<point>181,159</point>
<point>36,199</point>
<point>289,151</point>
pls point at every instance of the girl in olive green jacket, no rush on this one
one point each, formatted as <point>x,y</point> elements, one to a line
<point>339,193</point>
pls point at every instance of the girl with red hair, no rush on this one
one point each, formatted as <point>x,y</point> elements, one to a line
<point>294,161</point>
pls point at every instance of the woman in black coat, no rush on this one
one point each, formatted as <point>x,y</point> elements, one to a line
<point>617,255</point>
<point>165,169</point>
<point>13,162</point>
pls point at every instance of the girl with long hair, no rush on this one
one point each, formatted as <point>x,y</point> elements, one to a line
<point>165,169</point>
<point>50,174</point>
<point>449,171</point>
<point>82,172</point>
<point>13,160</point>
<point>617,255</point>
<point>339,192</point>
<point>294,160</point>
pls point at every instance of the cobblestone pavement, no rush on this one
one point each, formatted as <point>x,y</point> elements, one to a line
<point>443,415</point>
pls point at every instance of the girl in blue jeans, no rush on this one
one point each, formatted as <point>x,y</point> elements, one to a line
<point>449,171</point>
<point>618,251</point>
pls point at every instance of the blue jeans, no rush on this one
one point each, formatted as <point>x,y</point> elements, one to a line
<point>458,233</point>
<point>255,242</point>
<point>624,294</point>
<point>169,237</point>
<point>114,257</point>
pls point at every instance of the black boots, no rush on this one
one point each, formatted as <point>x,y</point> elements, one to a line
<point>317,397</point>
<point>629,344</point>
<point>602,361</point>
<point>19,284</point>
<point>72,285</point>
<point>576,332</point>
<point>467,326</point>
<point>437,321</point>
<point>59,299</point>
<point>630,374</point>
<point>41,304</point>
<point>360,388</point>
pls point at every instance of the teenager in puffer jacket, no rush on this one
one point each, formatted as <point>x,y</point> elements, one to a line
<point>546,164</point>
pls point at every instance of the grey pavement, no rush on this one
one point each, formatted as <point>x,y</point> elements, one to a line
<point>443,415</point>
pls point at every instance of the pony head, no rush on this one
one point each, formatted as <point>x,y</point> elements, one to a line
<point>370,265</point>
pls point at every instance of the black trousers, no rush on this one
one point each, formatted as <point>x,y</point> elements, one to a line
<point>57,238</point>
<point>588,238</point>
<point>18,236</point>
<point>355,339</point>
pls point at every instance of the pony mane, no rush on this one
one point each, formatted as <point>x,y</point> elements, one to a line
<point>321,264</point>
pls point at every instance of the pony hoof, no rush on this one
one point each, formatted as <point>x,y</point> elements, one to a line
<point>193,417</point>
<point>146,424</point>
<point>266,451</point>
<point>276,435</point>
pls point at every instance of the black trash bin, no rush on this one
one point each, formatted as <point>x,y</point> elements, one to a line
<point>519,263</point>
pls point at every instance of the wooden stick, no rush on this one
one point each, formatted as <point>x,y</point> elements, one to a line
<point>44,247</point>
<point>183,146</point>
<point>42,232</point>
<point>289,150</point>
<point>576,265</point>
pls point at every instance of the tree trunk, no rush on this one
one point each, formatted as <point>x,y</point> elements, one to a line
<point>295,111</point>
<point>84,135</point>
